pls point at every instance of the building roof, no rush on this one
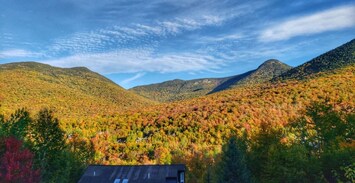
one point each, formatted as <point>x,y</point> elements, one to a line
<point>133,173</point>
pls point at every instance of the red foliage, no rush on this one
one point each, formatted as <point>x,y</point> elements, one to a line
<point>16,163</point>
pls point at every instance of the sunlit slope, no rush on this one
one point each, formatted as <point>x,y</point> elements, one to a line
<point>73,93</point>
<point>205,123</point>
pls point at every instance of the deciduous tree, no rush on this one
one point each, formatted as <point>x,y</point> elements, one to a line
<point>16,164</point>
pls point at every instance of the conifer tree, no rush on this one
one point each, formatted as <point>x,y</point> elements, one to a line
<point>233,167</point>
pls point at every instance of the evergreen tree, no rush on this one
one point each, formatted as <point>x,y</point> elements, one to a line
<point>233,166</point>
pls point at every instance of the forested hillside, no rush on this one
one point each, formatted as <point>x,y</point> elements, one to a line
<point>74,93</point>
<point>341,56</point>
<point>265,72</point>
<point>194,131</point>
<point>272,69</point>
<point>176,90</point>
<point>235,91</point>
<point>272,124</point>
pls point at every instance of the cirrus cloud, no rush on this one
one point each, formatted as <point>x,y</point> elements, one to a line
<point>135,77</point>
<point>328,20</point>
<point>18,53</point>
<point>140,60</point>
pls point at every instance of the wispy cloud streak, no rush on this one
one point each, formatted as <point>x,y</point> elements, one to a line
<point>140,60</point>
<point>129,80</point>
<point>119,36</point>
<point>18,53</point>
<point>332,19</point>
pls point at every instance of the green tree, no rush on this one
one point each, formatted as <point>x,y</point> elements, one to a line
<point>327,135</point>
<point>57,160</point>
<point>290,164</point>
<point>329,127</point>
<point>260,147</point>
<point>48,145</point>
<point>16,125</point>
<point>233,165</point>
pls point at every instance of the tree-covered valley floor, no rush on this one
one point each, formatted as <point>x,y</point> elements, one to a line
<point>286,131</point>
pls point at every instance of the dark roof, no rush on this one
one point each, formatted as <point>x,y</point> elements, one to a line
<point>134,173</point>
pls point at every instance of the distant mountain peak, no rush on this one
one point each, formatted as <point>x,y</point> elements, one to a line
<point>265,72</point>
<point>272,60</point>
<point>272,63</point>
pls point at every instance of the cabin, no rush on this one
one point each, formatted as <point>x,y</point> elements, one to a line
<point>134,174</point>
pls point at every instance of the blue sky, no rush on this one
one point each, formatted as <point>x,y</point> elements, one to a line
<point>135,42</point>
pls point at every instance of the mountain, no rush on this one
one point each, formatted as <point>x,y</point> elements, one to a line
<point>177,89</point>
<point>339,57</point>
<point>265,72</point>
<point>73,92</point>
<point>194,131</point>
<point>180,89</point>
<point>202,125</point>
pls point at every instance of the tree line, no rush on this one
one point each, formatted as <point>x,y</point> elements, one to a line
<point>36,149</point>
<point>317,147</point>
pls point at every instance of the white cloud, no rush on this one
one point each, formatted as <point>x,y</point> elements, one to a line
<point>329,20</point>
<point>98,40</point>
<point>18,53</point>
<point>140,60</point>
<point>129,80</point>
<point>227,37</point>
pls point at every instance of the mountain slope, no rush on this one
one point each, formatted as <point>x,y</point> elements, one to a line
<point>74,92</point>
<point>339,57</point>
<point>203,124</point>
<point>175,90</point>
<point>265,72</point>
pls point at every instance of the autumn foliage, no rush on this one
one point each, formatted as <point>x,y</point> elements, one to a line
<point>17,163</point>
<point>286,131</point>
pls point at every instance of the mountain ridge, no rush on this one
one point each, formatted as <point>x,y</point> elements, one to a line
<point>265,72</point>
<point>270,70</point>
<point>177,89</point>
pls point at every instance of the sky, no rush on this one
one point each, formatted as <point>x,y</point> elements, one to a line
<point>137,42</point>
